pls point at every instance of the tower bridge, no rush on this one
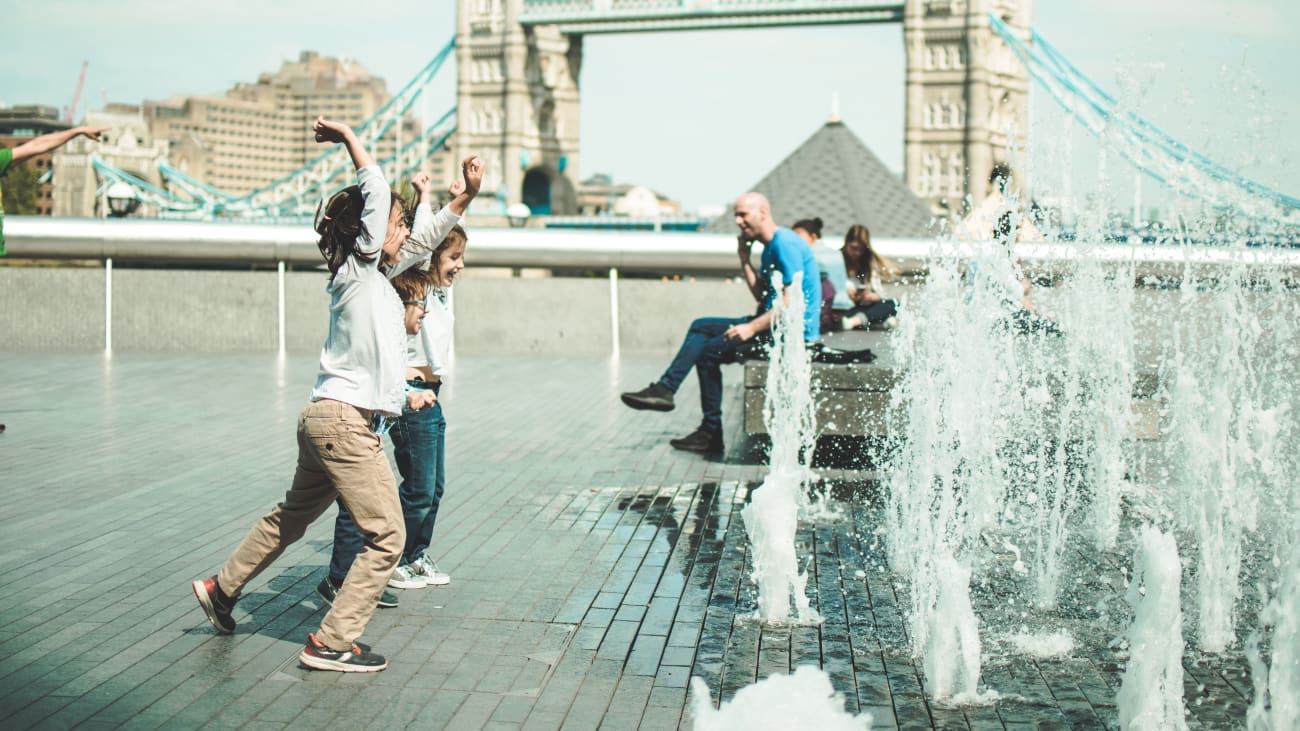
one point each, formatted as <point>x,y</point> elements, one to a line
<point>519,64</point>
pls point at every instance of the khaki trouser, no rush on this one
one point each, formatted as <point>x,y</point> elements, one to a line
<point>338,455</point>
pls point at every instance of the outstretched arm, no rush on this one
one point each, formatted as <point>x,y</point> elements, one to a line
<point>472,169</point>
<point>336,132</point>
<point>53,141</point>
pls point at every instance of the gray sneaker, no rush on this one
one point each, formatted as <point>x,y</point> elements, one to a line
<point>406,577</point>
<point>428,568</point>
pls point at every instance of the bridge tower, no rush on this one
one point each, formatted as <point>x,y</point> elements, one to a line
<point>517,104</point>
<point>967,98</point>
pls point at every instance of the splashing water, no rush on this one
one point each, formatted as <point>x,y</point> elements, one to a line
<point>772,516</point>
<point>1151,694</point>
<point>804,699</point>
<point>1276,706</point>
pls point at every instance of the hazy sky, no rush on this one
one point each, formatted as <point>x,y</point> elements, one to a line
<point>700,116</point>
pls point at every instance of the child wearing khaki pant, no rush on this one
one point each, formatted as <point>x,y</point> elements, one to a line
<point>360,383</point>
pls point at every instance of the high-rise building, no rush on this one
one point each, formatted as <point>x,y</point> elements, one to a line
<point>258,132</point>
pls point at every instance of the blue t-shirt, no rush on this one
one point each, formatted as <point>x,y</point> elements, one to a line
<point>790,254</point>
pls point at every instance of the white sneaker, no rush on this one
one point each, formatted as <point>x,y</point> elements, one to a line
<point>429,570</point>
<point>406,577</point>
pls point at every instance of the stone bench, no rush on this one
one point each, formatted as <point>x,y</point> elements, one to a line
<point>853,399</point>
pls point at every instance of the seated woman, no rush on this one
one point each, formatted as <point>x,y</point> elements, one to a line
<point>832,271</point>
<point>864,269</point>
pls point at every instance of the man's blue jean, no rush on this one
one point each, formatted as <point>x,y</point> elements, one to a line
<point>704,349</point>
<point>418,445</point>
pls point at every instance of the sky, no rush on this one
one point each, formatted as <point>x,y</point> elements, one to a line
<point>701,116</point>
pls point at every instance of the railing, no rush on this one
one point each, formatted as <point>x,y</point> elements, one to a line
<point>241,245</point>
<point>186,244</point>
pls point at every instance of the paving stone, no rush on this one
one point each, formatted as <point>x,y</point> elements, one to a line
<point>596,569</point>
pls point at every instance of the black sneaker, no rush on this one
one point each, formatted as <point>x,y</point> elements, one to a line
<point>326,590</point>
<point>700,440</point>
<point>215,604</point>
<point>655,397</point>
<point>356,660</point>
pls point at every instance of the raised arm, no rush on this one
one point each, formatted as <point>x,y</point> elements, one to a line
<point>377,196</point>
<point>336,132</point>
<point>757,284</point>
<point>472,170</point>
<point>53,141</point>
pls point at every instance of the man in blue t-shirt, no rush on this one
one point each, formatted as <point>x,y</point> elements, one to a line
<point>711,341</point>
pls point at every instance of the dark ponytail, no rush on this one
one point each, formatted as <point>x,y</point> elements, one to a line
<point>338,221</point>
<point>811,225</point>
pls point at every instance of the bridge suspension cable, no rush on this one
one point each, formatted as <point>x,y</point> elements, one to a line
<point>1142,143</point>
<point>297,192</point>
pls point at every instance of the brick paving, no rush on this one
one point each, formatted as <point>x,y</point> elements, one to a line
<point>595,570</point>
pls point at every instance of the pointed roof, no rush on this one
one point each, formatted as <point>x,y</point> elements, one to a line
<point>833,176</point>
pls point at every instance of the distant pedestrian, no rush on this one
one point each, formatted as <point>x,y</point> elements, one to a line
<point>359,385</point>
<point>418,436</point>
<point>865,270</point>
<point>712,340</point>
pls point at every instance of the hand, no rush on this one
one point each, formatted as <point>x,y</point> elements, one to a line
<point>472,168</point>
<point>744,245</point>
<point>456,188</point>
<point>327,131</point>
<point>416,400</point>
<point>92,132</point>
<point>742,332</point>
<point>422,184</point>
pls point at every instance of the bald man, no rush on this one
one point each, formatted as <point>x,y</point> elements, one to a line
<point>710,341</point>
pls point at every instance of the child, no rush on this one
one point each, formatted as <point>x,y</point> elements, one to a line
<point>339,452</point>
<point>418,437</point>
<point>421,466</point>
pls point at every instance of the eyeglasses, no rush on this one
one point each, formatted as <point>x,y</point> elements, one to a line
<point>415,303</point>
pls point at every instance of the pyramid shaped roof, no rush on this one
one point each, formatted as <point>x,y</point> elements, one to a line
<point>835,177</point>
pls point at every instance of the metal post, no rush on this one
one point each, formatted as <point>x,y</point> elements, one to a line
<point>613,311</point>
<point>108,305</point>
<point>279,266</point>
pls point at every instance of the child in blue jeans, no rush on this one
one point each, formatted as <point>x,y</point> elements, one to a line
<point>418,438</point>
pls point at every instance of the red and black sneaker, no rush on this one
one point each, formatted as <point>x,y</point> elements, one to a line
<point>215,604</point>
<point>357,660</point>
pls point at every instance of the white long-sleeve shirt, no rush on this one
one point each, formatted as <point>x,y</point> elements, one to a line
<point>432,346</point>
<point>363,362</point>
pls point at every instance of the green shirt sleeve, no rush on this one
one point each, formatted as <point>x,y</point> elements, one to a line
<point>6,157</point>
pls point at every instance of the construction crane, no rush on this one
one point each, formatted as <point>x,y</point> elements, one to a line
<point>76,94</point>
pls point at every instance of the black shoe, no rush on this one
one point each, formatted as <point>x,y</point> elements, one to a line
<point>700,440</point>
<point>356,660</point>
<point>655,397</point>
<point>326,590</point>
<point>215,604</point>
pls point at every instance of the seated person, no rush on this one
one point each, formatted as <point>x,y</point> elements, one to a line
<point>711,341</point>
<point>999,280</point>
<point>864,270</point>
<point>832,271</point>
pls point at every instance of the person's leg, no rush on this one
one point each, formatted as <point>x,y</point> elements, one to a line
<point>308,497</point>
<point>877,312</point>
<point>353,458</point>
<point>702,336</point>
<point>419,526</point>
<point>348,542</point>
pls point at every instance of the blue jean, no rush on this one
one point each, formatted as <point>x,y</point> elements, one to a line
<point>418,445</point>
<point>705,350</point>
<point>875,312</point>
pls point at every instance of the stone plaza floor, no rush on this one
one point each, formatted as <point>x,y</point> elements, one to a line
<point>595,570</point>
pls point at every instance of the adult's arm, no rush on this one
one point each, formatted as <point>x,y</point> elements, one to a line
<point>53,141</point>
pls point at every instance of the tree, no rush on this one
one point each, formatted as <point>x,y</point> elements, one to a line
<point>22,189</point>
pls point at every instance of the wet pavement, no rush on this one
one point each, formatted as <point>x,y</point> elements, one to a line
<point>595,570</point>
